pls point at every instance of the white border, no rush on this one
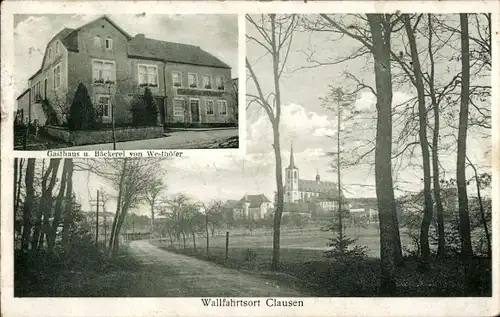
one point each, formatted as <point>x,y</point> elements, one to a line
<point>192,306</point>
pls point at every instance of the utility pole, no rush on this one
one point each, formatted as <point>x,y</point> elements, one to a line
<point>98,202</point>
<point>112,116</point>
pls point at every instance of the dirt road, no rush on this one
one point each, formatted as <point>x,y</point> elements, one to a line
<point>179,275</point>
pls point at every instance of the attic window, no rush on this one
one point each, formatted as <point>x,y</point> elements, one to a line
<point>109,43</point>
<point>97,41</point>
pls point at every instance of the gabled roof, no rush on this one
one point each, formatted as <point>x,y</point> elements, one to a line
<point>317,187</point>
<point>143,47</point>
<point>255,200</point>
<point>24,93</point>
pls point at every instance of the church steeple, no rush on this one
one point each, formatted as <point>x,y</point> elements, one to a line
<point>317,176</point>
<point>292,163</point>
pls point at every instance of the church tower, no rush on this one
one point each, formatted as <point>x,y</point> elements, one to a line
<point>292,180</point>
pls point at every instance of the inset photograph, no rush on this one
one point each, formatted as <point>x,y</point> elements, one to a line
<point>126,82</point>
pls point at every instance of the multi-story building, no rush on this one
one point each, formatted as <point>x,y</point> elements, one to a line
<point>189,84</point>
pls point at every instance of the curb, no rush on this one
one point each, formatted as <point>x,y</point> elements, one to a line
<point>200,129</point>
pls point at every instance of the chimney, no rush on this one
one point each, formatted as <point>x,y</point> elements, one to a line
<point>246,197</point>
<point>140,36</point>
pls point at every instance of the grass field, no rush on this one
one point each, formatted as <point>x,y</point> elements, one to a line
<point>311,238</point>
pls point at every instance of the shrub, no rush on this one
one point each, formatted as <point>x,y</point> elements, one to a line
<point>144,110</point>
<point>151,109</point>
<point>82,115</point>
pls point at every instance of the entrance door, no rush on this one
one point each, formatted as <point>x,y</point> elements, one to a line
<point>195,111</point>
<point>160,103</point>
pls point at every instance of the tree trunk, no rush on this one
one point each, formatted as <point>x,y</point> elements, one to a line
<point>481,210</point>
<point>463,209</point>
<point>152,217</point>
<point>118,209</point>
<point>28,204</point>
<point>68,209</point>
<point>206,231</point>
<point>435,144</point>
<point>383,149</point>
<point>277,150</point>
<point>45,203</point>
<point>424,144</point>
<point>50,233</point>
<point>184,239</point>
<point>194,239</point>
<point>18,177</point>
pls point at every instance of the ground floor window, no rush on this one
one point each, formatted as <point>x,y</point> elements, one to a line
<point>178,107</point>
<point>209,105</point>
<point>104,104</point>
<point>222,105</point>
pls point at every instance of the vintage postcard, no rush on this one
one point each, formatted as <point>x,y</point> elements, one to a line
<point>250,158</point>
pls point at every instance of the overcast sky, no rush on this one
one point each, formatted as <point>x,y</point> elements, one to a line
<point>216,34</point>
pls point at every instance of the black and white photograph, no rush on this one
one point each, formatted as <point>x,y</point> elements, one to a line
<point>376,131</point>
<point>360,178</point>
<point>125,82</point>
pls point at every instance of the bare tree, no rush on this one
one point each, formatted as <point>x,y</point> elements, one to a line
<point>463,210</point>
<point>152,191</point>
<point>47,229</point>
<point>275,37</point>
<point>45,203</point>
<point>28,204</point>
<point>424,144</point>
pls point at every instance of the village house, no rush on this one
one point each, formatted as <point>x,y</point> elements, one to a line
<point>190,85</point>
<point>251,207</point>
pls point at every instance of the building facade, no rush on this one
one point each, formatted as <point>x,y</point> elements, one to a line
<point>189,84</point>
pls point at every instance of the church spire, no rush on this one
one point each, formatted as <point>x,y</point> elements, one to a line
<point>292,163</point>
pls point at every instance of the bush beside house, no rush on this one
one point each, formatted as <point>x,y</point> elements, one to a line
<point>82,114</point>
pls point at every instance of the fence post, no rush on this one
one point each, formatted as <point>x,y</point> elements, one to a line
<point>227,243</point>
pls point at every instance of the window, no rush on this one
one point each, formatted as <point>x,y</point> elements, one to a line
<point>109,44</point>
<point>148,75</point>
<point>57,48</point>
<point>104,104</point>
<point>49,54</point>
<point>97,41</point>
<point>219,81</point>
<point>177,79</point>
<point>209,106</point>
<point>193,80</point>
<point>38,96</point>
<point>57,76</point>
<point>222,105</point>
<point>294,174</point>
<point>207,82</point>
<point>104,71</point>
<point>179,107</point>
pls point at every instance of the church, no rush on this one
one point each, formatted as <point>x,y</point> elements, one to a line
<point>303,190</point>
